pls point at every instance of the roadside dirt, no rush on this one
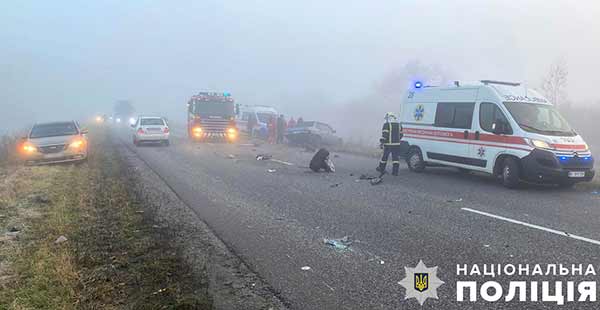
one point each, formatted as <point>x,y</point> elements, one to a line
<point>110,255</point>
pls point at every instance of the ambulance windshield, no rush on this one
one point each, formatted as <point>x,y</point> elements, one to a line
<point>539,118</point>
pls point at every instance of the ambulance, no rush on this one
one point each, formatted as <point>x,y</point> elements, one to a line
<point>500,128</point>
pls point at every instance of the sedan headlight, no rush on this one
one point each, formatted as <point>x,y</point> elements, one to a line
<point>76,144</point>
<point>29,148</point>
<point>540,144</point>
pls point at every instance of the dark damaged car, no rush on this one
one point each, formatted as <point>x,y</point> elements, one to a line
<point>312,133</point>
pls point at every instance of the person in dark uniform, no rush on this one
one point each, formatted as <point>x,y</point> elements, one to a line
<point>391,134</point>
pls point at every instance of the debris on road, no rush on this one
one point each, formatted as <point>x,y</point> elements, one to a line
<point>61,239</point>
<point>366,177</point>
<point>281,162</point>
<point>263,157</point>
<point>338,244</point>
<point>271,170</point>
<point>306,268</point>
<point>231,156</point>
<point>321,161</point>
<point>335,185</point>
<point>455,200</point>
<point>376,181</point>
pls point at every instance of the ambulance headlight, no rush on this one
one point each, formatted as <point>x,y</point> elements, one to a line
<point>540,144</point>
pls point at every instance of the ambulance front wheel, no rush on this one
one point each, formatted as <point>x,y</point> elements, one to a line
<point>511,171</point>
<point>414,160</point>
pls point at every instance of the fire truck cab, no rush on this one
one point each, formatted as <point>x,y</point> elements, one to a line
<point>211,116</point>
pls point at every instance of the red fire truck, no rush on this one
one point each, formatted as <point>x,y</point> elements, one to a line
<point>211,116</point>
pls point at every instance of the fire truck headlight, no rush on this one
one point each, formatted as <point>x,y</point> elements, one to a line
<point>231,133</point>
<point>197,131</point>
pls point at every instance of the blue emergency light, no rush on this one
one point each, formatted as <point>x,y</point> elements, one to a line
<point>418,84</point>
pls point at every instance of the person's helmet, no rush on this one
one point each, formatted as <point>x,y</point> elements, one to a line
<point>389,117</point>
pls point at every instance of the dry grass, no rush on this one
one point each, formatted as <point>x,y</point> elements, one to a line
<point>114,257</point>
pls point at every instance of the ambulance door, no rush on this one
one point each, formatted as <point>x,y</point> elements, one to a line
<point>453,122</point>
<point>487,141</point>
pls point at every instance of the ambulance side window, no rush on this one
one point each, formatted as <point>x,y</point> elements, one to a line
<point>490,113</point>
<point>454,115</point>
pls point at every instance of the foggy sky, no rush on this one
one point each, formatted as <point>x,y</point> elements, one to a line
<point>70,59</point>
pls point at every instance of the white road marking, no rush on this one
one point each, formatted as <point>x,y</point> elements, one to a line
<point>550,230</point>
<point>281,162</point>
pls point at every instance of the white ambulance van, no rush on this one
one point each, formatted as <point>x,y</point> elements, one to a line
<point>500,128</point>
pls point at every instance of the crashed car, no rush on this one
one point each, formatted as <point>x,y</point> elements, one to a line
<point>54,143</point>
<point>312,133</point>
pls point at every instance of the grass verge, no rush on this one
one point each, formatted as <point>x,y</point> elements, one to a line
<point>114,257</point>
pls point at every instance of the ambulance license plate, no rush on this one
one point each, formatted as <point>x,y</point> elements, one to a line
<point>576,174</point>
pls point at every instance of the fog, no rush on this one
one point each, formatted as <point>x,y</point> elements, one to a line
<point>331,60</point>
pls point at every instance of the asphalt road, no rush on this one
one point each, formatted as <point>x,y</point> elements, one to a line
<point>275,215</point>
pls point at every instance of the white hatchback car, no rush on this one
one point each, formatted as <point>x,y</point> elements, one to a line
<point>150,129</point>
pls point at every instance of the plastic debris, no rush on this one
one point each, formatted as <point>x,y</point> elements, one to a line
<point>366,177</point>
<point>271,170</point>
<point>61,239</point>
<point>375,181</point>
<point>263,157</point>
<point>305,268</point>
<point>338,244</point>
<point>455,200</point>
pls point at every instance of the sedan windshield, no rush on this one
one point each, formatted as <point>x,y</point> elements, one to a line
<point>53,130</point>
<point>305,124</point>
<point>539,118</point>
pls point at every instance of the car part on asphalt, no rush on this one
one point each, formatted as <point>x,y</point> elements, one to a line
<point>376,181</point>
<point>263,157</point>
<point>339,244</point>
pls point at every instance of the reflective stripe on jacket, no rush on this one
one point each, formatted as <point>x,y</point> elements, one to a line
<point>391,134</point>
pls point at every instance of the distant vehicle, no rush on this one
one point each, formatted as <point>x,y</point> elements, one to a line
<point>500,128</point>
<point>55,142</point>
<point>259,115</point>
<point>153,129</point>
<point>312,133</point>
<point>211,116</point>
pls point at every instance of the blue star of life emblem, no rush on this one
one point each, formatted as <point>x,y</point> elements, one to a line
<point>419,112</point>
<point>481,152</point>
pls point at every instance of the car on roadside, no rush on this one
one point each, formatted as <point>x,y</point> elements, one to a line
<point>151,129</point>
<point>312,133</point>
<point>55,142</point>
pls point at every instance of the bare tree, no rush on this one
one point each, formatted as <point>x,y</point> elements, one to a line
<point>554,85</point>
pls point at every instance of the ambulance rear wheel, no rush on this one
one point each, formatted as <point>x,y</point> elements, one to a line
<point>414,160</point>
<point>510,173</point>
